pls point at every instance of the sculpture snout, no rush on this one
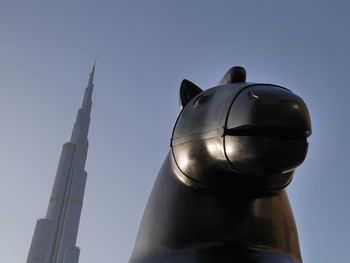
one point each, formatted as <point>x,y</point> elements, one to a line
<point>267,129</point>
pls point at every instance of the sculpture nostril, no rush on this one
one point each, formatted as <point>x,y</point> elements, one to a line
<point>253,96</point>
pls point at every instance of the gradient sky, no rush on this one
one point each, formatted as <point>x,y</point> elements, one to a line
<point>145,49</point>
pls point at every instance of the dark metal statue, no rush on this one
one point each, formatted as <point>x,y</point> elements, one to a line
<point>219,196</point>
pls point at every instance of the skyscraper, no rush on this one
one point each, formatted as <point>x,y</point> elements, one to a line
<point>54,239</point>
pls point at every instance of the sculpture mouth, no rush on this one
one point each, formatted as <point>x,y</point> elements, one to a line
<point>270,132</point>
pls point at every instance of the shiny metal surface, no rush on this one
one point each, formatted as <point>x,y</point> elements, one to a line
<point>219,195</point>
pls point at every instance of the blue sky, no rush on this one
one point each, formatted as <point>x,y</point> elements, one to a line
<point>145,49</point>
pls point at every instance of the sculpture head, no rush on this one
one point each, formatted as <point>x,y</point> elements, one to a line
<point>239,136</point>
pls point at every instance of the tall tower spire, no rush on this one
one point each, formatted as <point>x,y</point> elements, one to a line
<point>88,91</point>
<point>54,239</point>
<point>81,126</point>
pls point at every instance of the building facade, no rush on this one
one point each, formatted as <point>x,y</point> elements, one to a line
<point>54,239</point>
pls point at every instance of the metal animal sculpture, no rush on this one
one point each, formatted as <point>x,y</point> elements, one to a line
<point>219,196</point>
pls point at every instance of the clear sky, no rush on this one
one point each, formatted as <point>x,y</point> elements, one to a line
<point>145,49</point>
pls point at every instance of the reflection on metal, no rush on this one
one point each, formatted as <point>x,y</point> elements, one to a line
<point>184,162</point>
<point>219,196</point>
<point>229,150</point>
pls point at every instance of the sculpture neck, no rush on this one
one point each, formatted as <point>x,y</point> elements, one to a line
<point>210,223</point>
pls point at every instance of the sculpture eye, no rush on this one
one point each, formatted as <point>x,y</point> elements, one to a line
<point>200,100</point>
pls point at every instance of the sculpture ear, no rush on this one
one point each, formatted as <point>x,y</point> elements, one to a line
<point>187,91</point>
